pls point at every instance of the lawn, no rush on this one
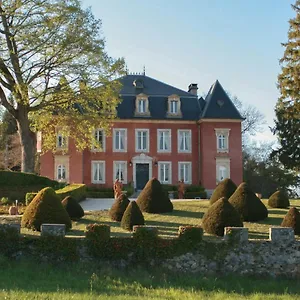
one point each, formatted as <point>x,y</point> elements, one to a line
<point>184,213</point>
<point>28,280</point>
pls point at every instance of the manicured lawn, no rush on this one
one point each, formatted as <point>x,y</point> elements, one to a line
<point>28,280</point>
<point>185,213</point>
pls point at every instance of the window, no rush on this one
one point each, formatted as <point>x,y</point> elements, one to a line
<point>61,141</point>
<point>142,106</point>
<point>174,107</point>
<point>222,135</point>
<point>164,172</point>
<point>120,171</point>
<point>184,172</point>
<point>120,140</point>
<point>98,171</point>
<point>184,141</point>
<point>222,168</point>
<point>142,140</point>
<point>99,140</point>
<point>61,173</point>
<point>164,140</point>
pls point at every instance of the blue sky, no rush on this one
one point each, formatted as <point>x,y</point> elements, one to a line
<point>179,42</point>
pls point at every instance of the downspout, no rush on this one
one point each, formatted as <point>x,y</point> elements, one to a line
<point>199,154</point>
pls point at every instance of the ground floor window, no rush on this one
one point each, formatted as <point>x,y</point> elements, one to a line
<point>61,173</point>
<point>222,168</point>
<point>120,171</point>
<point>98,172</point>
<point>164,172</point>
<point>185,172</point>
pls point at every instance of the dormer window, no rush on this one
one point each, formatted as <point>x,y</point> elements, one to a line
<point>142,105</point>
<point>174,106</point>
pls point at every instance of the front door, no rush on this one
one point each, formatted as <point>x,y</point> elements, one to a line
<point>142,175</point>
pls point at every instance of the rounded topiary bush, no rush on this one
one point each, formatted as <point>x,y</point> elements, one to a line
<point>118,208</point>
<point>279,200</point>
<point>73,208</point>
<point>153,199</point>
<point>45,207</point>
<point>225,188</point>
<point>220,215</point>
<point>247,204</point>
<point>132,216</point>
<point>292,219</point>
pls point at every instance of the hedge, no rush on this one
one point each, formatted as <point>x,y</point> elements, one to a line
<point>105,192</point>
<point>77,191</point>
<point>100,194</point>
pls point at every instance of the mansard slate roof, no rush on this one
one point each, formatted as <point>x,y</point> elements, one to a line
<point>158,92</point>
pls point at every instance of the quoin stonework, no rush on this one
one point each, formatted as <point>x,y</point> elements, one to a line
<point>161,132</point>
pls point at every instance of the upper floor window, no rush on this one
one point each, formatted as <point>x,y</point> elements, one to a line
<point>120,140</point>
<point>164,140</point>
<point>61,141</point>
<point>99,140</point>
<point>185,172</point>
<point>222,142</point>
<point>98,171</point>
<point>142,140</point>
<point>142,105</point>
<point>184,141</point>
<point>174,106</point>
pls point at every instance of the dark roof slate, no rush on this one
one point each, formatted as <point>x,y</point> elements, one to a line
<point>218,104</point>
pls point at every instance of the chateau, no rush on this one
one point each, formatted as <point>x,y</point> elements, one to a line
<point>161,132</point>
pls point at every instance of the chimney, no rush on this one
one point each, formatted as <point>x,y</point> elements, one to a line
<point>193,87</point>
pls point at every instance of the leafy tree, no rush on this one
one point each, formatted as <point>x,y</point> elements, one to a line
<point>287,123</point>
<point>265,174</point>
<point>47,48</point>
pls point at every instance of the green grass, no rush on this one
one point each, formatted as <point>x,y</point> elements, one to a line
<point>184,213</point>
<point>27,280</point>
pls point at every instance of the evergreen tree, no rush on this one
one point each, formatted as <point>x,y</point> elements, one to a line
<point>287,123</point>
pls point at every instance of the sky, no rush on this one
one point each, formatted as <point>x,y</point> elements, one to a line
<point>198,41</point>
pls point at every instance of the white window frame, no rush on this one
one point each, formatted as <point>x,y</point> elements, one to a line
<point>115,163</point>
<point>115,130</point>
<point>93,163</point>
<point>64,141</point>
<point>222,134</point>
<point>187,163</point>
<point>222,162</point>
<point>60,169</point>
<point>159,131</point>
<point>186,131</point>
<point>172,107</point>
<point>142,106</point>
<point>95,147</point>
<point>163,163</point>
<point>137,131</point>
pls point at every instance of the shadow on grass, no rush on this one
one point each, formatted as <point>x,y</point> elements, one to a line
<point>185,214</point>
<point>282,212</point>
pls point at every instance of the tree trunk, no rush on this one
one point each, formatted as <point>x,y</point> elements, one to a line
<point>27,140</point>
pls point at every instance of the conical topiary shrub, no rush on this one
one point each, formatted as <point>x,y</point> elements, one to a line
<point>118,208</point>
<point>153,199</point>
<point>225,188</point>
<point>248,204</point>
<point>73,208</point>
<point>45,207</point>
<point>292,219</point>
<point>279,200</point>
<point>220,215</point>
<point>132,216</point>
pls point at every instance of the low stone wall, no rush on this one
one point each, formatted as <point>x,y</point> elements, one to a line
<point>235,253</point>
